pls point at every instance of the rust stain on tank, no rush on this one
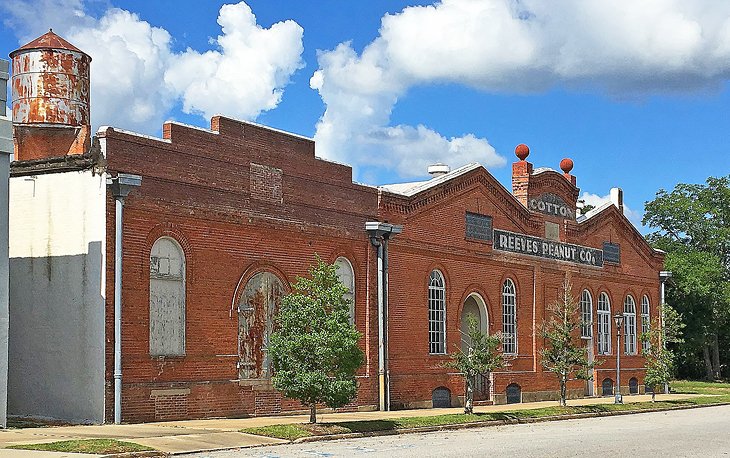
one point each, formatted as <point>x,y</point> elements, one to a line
<point>51,86</point>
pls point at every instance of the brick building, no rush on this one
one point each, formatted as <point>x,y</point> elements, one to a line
<point>215,225</point>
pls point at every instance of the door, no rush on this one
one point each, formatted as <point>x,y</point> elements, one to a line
<point>474,306</point>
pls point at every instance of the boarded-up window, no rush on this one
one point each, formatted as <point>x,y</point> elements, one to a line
<point>257,307</point>
<point>167,298</point>
<point>478,226</point>
<point>347,278</point>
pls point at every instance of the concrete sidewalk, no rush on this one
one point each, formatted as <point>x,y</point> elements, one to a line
<point>199,435</point>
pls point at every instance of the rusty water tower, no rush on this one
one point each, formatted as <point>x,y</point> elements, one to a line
<point>50,94</point>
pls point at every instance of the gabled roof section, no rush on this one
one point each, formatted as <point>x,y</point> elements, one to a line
<point>413,188</point>
<point>402,199</point>
<point>603,213</point>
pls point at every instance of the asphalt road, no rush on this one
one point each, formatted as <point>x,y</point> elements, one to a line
<point>701,432</point>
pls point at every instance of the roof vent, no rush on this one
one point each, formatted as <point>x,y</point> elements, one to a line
<point>438,169</point>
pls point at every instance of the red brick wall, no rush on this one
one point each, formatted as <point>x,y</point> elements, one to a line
<point>196,189</point>
<point>434,238</point>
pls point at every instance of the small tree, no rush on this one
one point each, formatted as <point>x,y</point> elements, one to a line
<point>564,354</point>
<point>659,360</point>
<point>314,351</point>
<point>482,356</point>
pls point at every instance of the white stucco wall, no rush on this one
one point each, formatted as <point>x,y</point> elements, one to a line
<point>57,278</point>
<point>6,147</point>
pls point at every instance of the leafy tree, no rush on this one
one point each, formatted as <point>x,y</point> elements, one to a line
<point>583,207</point>
<point>692,224</point>
<point>314,351</point>
<point>481,357</point>
<point>659,360</point>
<point>564,355</point>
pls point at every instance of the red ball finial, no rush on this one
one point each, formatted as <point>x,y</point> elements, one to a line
<point>522,151</point>
<point>566,165</point>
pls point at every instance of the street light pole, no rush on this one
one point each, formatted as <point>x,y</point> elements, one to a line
<point>664,276</point>
<point>619,319</point>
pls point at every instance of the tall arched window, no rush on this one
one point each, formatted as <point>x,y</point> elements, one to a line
<point>258,305</point>
<point>167,298</point>
<point>604,324</point>
<point>347,277</point>
<point>586,310</point>
<point>436,314</point>
<point>645,320</point>
<point>509,318</point>
<point>630,325</point>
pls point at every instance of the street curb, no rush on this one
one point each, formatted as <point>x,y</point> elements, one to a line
<point>424,429</point>
<point>483,424</point>
<point>147,454</point>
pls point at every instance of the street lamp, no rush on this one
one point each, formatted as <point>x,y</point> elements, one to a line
<point>619,319</point>
<point>664,277</point>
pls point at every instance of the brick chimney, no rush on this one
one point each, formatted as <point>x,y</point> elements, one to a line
<point>50,88</point>
<point>521,171</point>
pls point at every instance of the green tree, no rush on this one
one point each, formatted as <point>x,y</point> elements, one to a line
<point>564,355</point>
<point>659,360</point>
<point>481,356</point>
<point>692,224</point>
<point>315,351</point>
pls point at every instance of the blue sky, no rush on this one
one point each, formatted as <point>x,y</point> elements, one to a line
<point>635,93</point>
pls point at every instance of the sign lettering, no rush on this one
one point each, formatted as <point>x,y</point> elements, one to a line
<point>534,246</point>
<point>551,204</point>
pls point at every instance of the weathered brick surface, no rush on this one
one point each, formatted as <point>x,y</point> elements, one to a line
<point>205,190</point>
<point>434,238</point>
<point>196,189</point>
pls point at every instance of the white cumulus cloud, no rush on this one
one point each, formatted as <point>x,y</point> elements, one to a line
<point>247,74</point>
<point>598,200</point>
<point>136,78</point>
<point>623,48</point>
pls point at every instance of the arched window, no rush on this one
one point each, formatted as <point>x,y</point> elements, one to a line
<point>167,298</point>
<point>509,318</point>
<point>645,320</point>
<point>347,277</point>
<point>586,309</point>
<point>258,305</point>
<point>629,325</point>
<point>604,324</point>
<point>436,314</point>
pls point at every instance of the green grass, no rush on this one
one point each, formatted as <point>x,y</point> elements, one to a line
<point>721,392</point>
<point>96,446</point>
<point>693,387</point>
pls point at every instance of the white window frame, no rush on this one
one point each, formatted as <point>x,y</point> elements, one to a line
<point>604,324</point>
<point>645,321</point>
<point>586,310</point>
<point>629,325</point>
<point>340,262</point>
<point>509,317</point>
<point>436,313</point>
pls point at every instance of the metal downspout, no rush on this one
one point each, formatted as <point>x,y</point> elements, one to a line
<point>381,330</point>
<point>119,204</point>
<point>121,186</point>
<point>385,320</point>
